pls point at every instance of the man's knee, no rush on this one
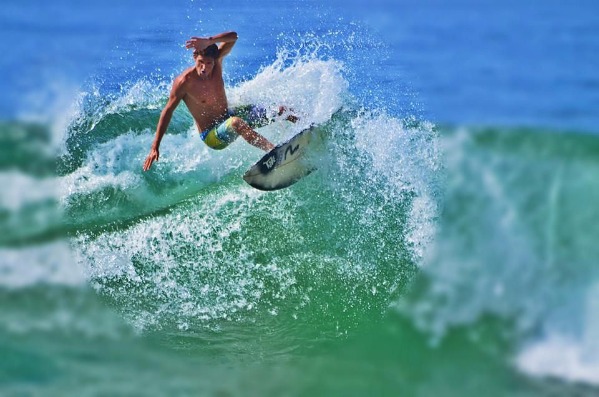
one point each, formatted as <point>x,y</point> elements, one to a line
<point>237,123</point>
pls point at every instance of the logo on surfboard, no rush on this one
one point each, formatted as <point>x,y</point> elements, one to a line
<point>270,162</point>
<point>291,150</point>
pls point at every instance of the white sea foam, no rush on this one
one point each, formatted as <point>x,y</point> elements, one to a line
<point>24,190</point>
<point>574,356</point>
<point>61,302</point>
<point>56,104</point>
<point>29,204</point>
<point>314,89</point>
<point>150,256</point>
<point>484,259</point>
<point>180,242</point>
<point>108,164</point>
<point>193,265</point>
<point>560,357</point>
<point>409,159</point>
<point>506,250</point>
<point>48,264</point>
<point>142,94</point>
<point>183,157</point>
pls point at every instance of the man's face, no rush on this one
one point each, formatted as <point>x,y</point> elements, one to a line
<point>204,65</point>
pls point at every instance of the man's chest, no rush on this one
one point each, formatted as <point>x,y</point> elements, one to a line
<point>206,91</point>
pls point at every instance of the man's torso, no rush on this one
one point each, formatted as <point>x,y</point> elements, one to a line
<point>205,99</point>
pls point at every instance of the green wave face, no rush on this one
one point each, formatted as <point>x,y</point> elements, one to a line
<point>406,235</point>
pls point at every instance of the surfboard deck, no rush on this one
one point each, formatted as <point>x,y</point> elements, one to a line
<point>284,165</point>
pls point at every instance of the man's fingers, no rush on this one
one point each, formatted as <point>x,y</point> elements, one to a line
<point>149,160</point>
<point>148,163</point>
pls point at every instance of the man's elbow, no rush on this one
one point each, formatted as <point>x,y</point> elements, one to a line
<point>167,113</point>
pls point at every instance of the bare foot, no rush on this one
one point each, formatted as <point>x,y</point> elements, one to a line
<point>293,118</point>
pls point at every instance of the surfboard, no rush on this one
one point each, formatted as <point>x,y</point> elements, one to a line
<point>284,165</point>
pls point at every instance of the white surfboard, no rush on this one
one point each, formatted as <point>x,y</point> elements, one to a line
<point>284,165</point>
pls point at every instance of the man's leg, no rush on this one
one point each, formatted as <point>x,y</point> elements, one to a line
<point>251,136</point>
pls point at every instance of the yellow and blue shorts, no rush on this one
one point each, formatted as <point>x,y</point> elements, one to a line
<point>223,134</point>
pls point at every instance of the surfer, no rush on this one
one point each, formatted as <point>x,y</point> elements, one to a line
<point>202,89</point>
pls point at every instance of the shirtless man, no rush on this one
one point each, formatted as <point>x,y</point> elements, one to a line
<point>202,89</point>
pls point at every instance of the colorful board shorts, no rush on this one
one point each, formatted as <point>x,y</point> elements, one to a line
<point>222,133</point>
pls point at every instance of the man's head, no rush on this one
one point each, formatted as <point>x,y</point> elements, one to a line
<point>211,51</point>
<point>205,59</point>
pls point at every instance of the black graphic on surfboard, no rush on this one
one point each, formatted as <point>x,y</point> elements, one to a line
<point>283,165</point>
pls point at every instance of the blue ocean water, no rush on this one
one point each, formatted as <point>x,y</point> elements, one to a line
<point>446,245</point>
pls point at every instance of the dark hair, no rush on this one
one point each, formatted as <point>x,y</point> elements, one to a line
<point>210,51</point>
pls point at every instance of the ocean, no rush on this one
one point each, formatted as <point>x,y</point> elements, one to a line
<point>446,245</point>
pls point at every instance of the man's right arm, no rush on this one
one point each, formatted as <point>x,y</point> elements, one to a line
<point>174,99</point>
<point>226,39</point>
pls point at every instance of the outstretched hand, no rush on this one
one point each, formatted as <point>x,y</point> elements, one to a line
<point>198,43</point>
<point>153,156</point>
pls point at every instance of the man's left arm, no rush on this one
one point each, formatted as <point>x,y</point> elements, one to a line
<point>227,41</point>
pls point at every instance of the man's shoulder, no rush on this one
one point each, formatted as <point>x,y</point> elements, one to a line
<point>185,76</point>
<point>181,82</point>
